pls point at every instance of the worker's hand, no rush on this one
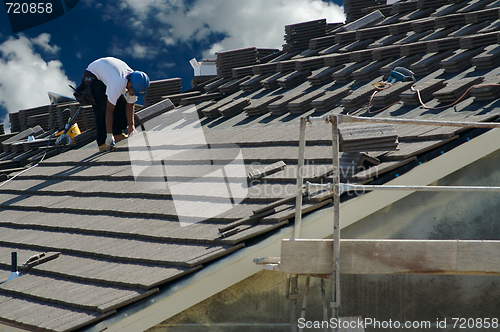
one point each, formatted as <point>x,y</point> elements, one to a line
<point>131,130</point>
<point>110,141</point>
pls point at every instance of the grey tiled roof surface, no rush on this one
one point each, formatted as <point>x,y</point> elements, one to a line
<point>115,219</point>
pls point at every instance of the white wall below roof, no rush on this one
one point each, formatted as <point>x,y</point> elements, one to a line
<point>206,69</point>
<point>239,265</point>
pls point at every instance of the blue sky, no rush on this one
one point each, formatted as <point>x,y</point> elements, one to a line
<point>156,36</point>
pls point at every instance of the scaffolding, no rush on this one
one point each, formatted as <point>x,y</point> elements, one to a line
<point>329,266</point>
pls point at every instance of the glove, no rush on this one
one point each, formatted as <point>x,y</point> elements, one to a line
<point>131,130</point>
<point>110,141</point>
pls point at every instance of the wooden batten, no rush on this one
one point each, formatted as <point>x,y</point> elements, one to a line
<point>444,257</point>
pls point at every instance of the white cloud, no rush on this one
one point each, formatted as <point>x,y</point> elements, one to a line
<point>135,50</point>
<point>43,41</point>
<point>26,78</point>
<point>257,23</point>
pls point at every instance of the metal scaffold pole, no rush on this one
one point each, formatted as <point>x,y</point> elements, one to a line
<point>294,294</point>
<point>335,304</point>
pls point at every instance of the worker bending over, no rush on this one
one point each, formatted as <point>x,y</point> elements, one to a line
<point>115,87</point>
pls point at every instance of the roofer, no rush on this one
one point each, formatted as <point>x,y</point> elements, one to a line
<point>115,87</point>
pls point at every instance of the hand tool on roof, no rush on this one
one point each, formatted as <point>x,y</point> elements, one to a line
<point>64,138</point>
<point>401,74</point>
<point>398,74</point>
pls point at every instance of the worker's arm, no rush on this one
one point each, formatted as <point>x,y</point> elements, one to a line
<point>110,141</point>
<point>110,108</point>
<point>130,118</point>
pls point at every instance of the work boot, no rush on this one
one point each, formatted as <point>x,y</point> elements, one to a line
<point>119,137</point>
<point>103,148</point>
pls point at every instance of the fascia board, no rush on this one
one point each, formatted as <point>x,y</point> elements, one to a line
<point>239,265</point>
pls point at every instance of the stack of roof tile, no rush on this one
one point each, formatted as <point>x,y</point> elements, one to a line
<point>425,4</point>
<point>200,80</point>
<point>450,20</point>
<point>369,72</point>
<point>234,108</point>
<point>469,29</point>
<point>26,113</point>
<point>227,60</point>
<point>357,45</point>
<point>177,98</point>
<point>361,55</point>
<point>424,25</point>
<point>440,33</point>
<point>265,68</point>
<point>15,125</point>
<point>195,112</point>
<point>475,6</point>
<point>426,89</point>
<point>383,8</point>
<point>242,71</point>
<point>309,63</point>
<point>404,7</point>
<point>212,111</point>
<point>337,59</point>
<point>455,88</point>
<point>303,104</point>
<point>390,95</point>
<point>330,99</point>
<point>362,138</point>
<point>479,40</point>
<point>293,79</point>
<point>233,85</point>
<point>429,63</point>
<point>345,37</point>
<point>254,83</point>
<point>486,91</point>
<point>321,42</point>
<point>214,86</point>
<point>413,48</point>
<point>280,106</point>
<point>399,28</point>
<point>297,36</point>
<point>52,117</point>
<point>158,89</point>
<point>286,66</point>
<point>443,44</point>
<point>267,54</point>
<point>271,82</point>
<point>354,8</point>
<point>460,60</point>
<point>324,75</point>
<point>388,40</point>
<point>200,98</point>
<point>259,106</point>
<point>345,75</point>
<point>358,97</point>
<point>372,33</point>
<point>482,15</point>
<point>490,58</point>
<point>386,52</point>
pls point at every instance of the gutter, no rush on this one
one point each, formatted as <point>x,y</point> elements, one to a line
<point>220,275</point>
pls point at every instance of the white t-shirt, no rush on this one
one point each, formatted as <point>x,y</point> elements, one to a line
<point>113,73</point>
